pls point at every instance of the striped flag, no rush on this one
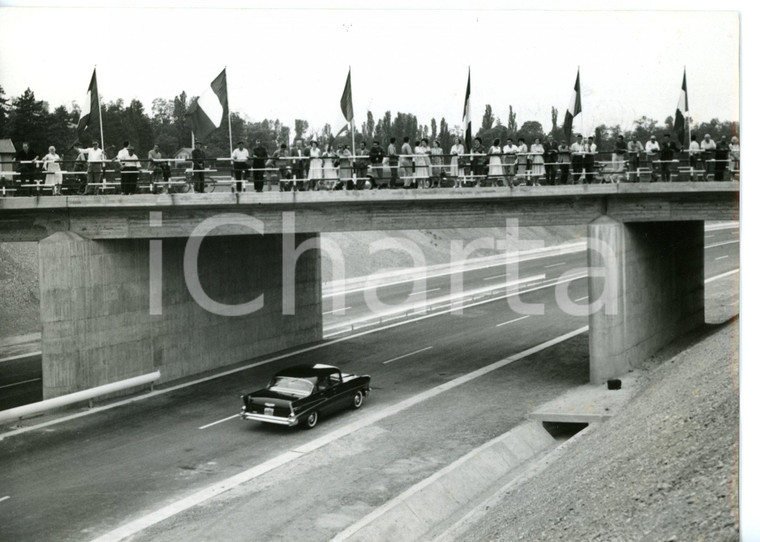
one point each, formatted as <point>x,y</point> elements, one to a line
<point>573,109</point>
<point>205,114</point>
<point>682,113</point>
<point>466,116</point>
<point>90,109</point>
<point>346,101</point>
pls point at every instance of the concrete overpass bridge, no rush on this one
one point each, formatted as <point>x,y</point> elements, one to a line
<point>117,299</point>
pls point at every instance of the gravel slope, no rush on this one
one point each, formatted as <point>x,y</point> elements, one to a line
<point>664,469</point>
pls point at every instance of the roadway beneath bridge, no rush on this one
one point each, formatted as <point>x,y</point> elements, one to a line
<point>94,473</point>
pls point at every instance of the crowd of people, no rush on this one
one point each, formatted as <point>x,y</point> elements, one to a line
<point>417,165</point>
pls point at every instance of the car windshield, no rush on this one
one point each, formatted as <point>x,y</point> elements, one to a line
<point>300,387</point>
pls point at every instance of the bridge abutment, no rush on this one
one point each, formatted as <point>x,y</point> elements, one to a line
<point>114,309</point>
<point>652,287</point>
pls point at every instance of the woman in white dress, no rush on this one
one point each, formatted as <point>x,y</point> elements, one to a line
<point>537,168</point>
<point>421,162</point>
<point>329,171</point>
<point>315,165</point>
<point>52,168</point>
<point>495,165</point>
<point>457,169</point>
<point>522,160</point>
<point>436,162</point>
<point>733,158</point>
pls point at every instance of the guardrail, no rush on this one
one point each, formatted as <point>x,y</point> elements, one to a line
<point>77,397</point>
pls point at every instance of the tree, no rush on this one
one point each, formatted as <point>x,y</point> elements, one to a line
<point>530,130</point>
<point>445,136</point>
<point>3,112</point>
<point>555,114</point>
<point>512,122</point>
<point>28,121</point>
<point>433,129</point>
<point>301,127</point>
<point>488,119</point>
<point>368,127</point>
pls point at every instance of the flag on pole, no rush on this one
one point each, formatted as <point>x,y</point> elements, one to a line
<point>466,116</point>
<point>346,101</point>
<point>682,114</point>
<point>573,109</point>
<point>205,114</point>
<point>90,108</point>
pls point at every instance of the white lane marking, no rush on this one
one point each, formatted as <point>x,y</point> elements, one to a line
<point>580,299</point>
<point>554,265</point>
<point>5,498</point>
<point>503,275</point>
<point>424,292</point>
<point>721,257</point>
<point>219,421</point>
<point>19,383</point>
<point>515,320</point>
<point>722,275</point>
<point>721,244</point>
<point>708,236</point>
<point>21,356</point>
<point>407,355</point>
<point>336,310</point>
<point>722,226</point>
<point>194,499</point>
<point>163,391</point>
<point>736,232</point>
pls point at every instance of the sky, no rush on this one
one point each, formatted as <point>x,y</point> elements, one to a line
<point>292,63</point>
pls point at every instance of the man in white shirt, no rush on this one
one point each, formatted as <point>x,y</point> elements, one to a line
<point>577,151</point>
<point>95,158</point>
<point>240,164</point>
<point>653,149</point>
<point>510,157</point>
<point>127,167</point>
<point>708,155</point>
<point>588,159</point>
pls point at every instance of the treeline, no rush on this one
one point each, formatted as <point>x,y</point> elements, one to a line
<point>25,118</point>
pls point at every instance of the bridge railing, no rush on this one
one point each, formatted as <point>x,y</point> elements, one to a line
<point>333,171</point>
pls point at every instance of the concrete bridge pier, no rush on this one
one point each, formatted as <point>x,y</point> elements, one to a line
<point>102,321</point>
<point>652,289</point>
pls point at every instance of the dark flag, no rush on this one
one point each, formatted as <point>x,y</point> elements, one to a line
<point>346,101</point>
<point>682,114</point>
<point>205,114</point>
<point>90,109</point>
<point>466,117</point>
<point>573,109</point>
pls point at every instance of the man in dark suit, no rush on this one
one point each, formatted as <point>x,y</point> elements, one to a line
<point>300,165</point>
<point>668,151</point>
<point>260,156</point>
<point>26,165</point>
<point>199,164</point>
<point>551,153</point>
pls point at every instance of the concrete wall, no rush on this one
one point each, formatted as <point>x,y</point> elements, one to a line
<point>653,285</point>
<point>96,325</point>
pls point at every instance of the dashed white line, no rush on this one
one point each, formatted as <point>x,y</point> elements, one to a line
<point>407,355</point>
<point>218,421</point>
<point>5,498</point>
<point>554,265</point>
<point>580,299</point>
<point>708,236</point>
<point>19,383</point>
<point>721,244</point>
<point>722,275</point>
<point>493,277</point>
<point>335,310</point>
<point>514,320</point>
<point>203,495</point>
<point>424,292</point>
<point>721,257</point>
<point>21,356</point>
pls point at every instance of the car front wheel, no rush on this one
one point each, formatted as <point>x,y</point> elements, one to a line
<point>358,400</point>
<point>311,421</point>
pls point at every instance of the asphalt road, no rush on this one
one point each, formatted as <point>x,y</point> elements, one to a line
<point>82,478</point>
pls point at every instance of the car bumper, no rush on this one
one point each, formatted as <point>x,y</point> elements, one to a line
<point>290,422</point>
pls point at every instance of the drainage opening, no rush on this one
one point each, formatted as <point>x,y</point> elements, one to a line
<point>564,430</point>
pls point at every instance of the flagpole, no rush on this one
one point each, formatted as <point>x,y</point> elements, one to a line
<point>688,114</point>
<point>100,114</point>
<point>353,132</point>
<point>580,95</point>
<point>229,122</point>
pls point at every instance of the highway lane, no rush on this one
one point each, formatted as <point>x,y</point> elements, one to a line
<point>23,380</point>
<point>95,472</point>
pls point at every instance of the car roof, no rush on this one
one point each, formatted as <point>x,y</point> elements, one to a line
<point>302,371</point>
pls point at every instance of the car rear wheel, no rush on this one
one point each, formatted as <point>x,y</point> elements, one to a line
<point>358,400</point>
<point>311,421</point>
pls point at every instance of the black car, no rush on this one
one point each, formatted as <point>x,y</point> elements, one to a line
<point>299,395</point>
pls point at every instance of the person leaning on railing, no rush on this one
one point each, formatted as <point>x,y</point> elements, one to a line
<point>26,160</point>
<point>733,158</point>
<point>199,164</point>
<point>721,158</point>
<point>708,155</point>
<point>392,162</point>
<point>694,153</point>
<point>260,156</point>
<point>159,167</point>
<point>95,158</point>
<point>576,150</point>
<point>563,157</point>
<point>667,153</point>
<point>588,160</point>
<point>551,153</point>
<point>635,148</point>
<point>240,157</point>
<point>457,162</point>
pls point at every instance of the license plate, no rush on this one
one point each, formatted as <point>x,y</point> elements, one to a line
<point>268,411</point>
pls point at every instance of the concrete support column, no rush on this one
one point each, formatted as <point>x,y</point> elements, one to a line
<point>97,325</point>
<point>652,286</point>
